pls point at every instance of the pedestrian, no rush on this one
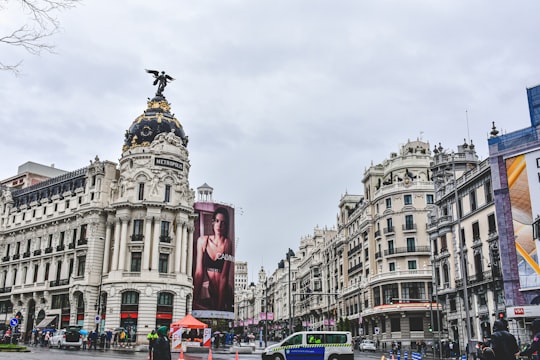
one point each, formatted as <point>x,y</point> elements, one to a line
<point>152,337</point>
<point>503,343</point>
<point>486,353</point>
<point>162,346</point>
<point>535,345</point>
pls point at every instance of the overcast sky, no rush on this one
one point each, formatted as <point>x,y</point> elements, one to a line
<point>285,102</point>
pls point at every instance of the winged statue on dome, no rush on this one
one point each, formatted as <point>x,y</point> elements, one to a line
<point>161,80</point>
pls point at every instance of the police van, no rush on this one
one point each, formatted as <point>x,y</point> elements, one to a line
<point>317,345</point>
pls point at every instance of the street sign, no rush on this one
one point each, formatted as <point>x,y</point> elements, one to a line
<point>377,330</point>
<point>14,322</point>
<point>97,319</point>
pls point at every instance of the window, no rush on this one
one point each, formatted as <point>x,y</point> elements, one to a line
<point>407,199</point>
<point>165,299</point>
<point>163,266</point>
<point>47,267</point>
<point>411,264</point>
<point>141,191</point>
<point>487,191</point>
<point>446,274</point>
<point>36,271</point>
<point>472,199</point>
<point>391,249</point>
<point>492,225</point>
<point>62,235</point>
<point>409,222</point>
<point>83,232</point>
<point>392,266</point>
<point>416,324</point>
<point>411,244</point>
<point>444,245</point>
<point>429,199</point>
<point>137,230</point>
<point>395,324</point>
<point>389,203</point>
<point>164,237</point>
<point>136,261</point>
<point>130,298</point>
<point>476,231</point>
<point>81,264</point>
<point>389,226</point>
<point>167,193</point>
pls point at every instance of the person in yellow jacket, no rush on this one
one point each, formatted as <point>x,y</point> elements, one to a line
<point>151,342</point>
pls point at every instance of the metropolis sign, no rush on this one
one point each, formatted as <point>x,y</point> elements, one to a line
<point>169,163</point>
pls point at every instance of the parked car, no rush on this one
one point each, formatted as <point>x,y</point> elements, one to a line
<point>65,338</point>
<point>367,345</point>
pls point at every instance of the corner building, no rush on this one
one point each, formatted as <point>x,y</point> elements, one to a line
<point>108,245</point>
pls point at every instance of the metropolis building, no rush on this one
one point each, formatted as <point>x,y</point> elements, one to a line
<point>108,245</point>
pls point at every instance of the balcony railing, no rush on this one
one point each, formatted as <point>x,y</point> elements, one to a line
<point>62,282</point>
<point>48,250</point>
<point>406,250</point>
<point>165,238</point>
<point>16,256</point>
<point>389,230</point>
<point>83,241</point>
<point>378,233</point>
<point>26,254</point>
<point>71,245</point>
<point>137,237</point>
<point>37,252</point>
<point>5,258</point>
<point>60,247</point>
<point>5,289</point>
<point>409,227</point>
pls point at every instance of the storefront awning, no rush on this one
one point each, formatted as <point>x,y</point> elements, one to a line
<point>46,322</point>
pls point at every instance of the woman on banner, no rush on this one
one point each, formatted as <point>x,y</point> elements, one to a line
<point>214,259</point>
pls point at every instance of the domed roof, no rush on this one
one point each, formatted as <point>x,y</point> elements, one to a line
<point>155,120</point>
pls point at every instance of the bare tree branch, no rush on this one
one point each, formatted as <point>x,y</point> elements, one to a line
<point>41,25</point>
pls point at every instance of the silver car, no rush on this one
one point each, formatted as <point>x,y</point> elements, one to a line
<point>367,345</point>
<point>65,338</point>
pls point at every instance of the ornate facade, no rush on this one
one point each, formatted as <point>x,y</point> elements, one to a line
<point>108,245</point>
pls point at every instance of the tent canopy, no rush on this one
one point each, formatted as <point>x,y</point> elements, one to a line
<point>189,322</point>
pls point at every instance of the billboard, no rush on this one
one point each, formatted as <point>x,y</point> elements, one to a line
<point>523,174</point>
<point>213,261</point>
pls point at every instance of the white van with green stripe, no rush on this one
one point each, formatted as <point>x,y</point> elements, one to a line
<point>312,345</point>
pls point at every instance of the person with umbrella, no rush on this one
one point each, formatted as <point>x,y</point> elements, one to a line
<point>162,346</point>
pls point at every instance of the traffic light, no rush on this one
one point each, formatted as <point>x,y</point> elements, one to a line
<point>430,328</point>
<point>501,315</point>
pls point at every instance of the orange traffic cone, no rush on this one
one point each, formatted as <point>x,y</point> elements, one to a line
<point>181,353</point>
<point>236,358</point>
<point>210,354</point>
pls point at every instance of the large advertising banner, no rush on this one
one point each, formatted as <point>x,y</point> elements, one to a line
<point>213,261</point>
<point>523,173</point>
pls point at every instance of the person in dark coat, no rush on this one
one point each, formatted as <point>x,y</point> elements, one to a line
<point>162,346</point>
<point>503,343</point>
<point>535,345</point>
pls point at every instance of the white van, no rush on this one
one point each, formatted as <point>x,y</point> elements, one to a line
<point>317,345</point>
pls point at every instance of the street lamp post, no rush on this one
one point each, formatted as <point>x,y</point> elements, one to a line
<point>290,254</point>
<point>266,311</point>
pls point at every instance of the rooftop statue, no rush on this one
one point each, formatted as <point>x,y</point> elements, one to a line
<point>160,80</point>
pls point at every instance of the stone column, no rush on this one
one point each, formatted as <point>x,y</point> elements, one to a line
<point>184,257</point>
<point>123,245</point>
<point>107,249</point>
<point>179,231</point>
<point>155,246</point>
<point>147,250</point>
<point>116,249</point>
<point>189,255</point>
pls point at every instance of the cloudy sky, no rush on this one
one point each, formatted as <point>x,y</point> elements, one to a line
<point>285,102</point>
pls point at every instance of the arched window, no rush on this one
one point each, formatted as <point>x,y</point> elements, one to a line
<point>164,311</point>
<point>129,313</point>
